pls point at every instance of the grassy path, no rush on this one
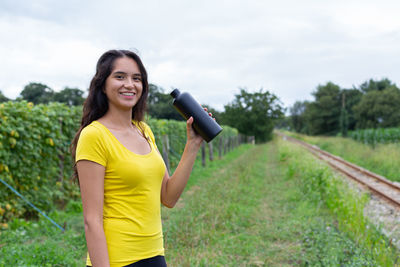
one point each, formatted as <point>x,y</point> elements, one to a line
<point>240,216</point>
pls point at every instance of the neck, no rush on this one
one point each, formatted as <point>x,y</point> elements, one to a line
<point>119,119</point>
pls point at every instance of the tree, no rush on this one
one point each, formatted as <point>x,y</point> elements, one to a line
<point>215,113</point>
<point>3,98</point>
<point>372,85</point>
<point>344,120</point>
<point>379,108</point>
<point>350,97</point>
<point>297,119</point>
<point>160,104</point>
<point>253,113</point>
<point>70,96</point>
<point>37,93</point>
<point>284,123</point>
<point>322,116</point>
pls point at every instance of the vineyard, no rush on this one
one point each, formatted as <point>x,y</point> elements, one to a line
<point>36,161</point>
<point>376,136</point>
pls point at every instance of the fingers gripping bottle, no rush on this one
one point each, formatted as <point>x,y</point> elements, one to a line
<point>203,124</point>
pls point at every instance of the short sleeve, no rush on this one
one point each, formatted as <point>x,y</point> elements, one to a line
<point>91,146</point>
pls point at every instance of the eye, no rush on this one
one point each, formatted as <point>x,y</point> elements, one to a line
<point>119,76</point>
<point>137,78</point>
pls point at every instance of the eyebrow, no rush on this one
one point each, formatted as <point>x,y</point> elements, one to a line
<point>124,73</point>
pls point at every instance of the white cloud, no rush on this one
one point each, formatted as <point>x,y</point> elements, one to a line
<point>38,51</point>
<point>209,48</point>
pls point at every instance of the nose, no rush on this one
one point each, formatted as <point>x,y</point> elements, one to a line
<point>129,83</point>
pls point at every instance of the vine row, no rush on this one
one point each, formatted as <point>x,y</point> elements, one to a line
<point>35,154</point>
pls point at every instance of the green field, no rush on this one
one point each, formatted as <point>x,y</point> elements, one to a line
<point>261,205</point>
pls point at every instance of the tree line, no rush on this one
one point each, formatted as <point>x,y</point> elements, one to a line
<point>39,93</point>
<point>335,110</point>
<point>252,114</point>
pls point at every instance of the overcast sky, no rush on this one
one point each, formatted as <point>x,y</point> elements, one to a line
<point>209,48</point>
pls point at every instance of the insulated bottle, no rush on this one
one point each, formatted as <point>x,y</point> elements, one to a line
<point>203,124</point>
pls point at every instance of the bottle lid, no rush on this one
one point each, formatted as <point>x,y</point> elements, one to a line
<point>175,93</point>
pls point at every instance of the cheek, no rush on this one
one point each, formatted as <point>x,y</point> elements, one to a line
<point>141,89</point>
<point>105,91</point>
<point>106,86</point>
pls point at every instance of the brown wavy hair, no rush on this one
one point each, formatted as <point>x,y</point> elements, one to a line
<point>96,104</point>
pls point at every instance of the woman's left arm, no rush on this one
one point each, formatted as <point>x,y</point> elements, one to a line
<point>172,187</point>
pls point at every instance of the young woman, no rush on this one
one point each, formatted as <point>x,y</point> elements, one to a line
<point>121,174</point>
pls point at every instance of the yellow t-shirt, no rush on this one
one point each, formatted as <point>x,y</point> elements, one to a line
<point>132,188</point>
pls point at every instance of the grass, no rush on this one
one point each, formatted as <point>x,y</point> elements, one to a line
<point>215,217</point>
<point>383,159</point>
<point>368,246</point>
<point>254,207</point>
<point>258,212</point>
<point>39,243</point>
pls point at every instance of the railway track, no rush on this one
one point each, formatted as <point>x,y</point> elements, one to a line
<point>377,184</point>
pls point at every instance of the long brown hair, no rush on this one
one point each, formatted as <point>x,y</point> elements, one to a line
<point>96,104</point>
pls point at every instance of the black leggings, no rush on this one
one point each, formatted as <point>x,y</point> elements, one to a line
<point>157,261</point>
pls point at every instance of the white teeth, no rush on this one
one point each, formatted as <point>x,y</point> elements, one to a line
<point>127,94</point>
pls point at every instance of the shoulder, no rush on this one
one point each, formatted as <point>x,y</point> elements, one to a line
<point>93,129</point>
<point>91,145</point>
<point>93,133</point>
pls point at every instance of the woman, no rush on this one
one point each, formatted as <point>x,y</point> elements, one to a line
<point>121,174</point>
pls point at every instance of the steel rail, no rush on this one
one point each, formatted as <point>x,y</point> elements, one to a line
<point>317,152</point>
<point>356,167</point>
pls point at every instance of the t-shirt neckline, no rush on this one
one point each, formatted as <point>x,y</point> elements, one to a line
<point>116,139</point>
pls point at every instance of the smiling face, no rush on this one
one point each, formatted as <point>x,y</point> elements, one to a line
<point>123,86</point>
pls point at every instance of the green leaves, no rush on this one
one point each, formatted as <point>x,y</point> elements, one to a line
<point>375,136</point>
<point>41,93</point>
<point>375,104</point>
<point>253,114</point>
<point>379,109</point>
<point>34,141</point>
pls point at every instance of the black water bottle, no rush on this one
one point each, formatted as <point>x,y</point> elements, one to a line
<point>203,124</point>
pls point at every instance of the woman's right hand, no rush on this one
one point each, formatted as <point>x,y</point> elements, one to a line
<point>192,136</point>
<point>191,133</point>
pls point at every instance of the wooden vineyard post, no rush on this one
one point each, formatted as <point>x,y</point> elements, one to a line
<point>203,154</point>
<point>165,144</point>
<point>61,156</point>
<point>220,148</point>
<point>210,151</point>
<point>252,140</point>
<point>225,145</point>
